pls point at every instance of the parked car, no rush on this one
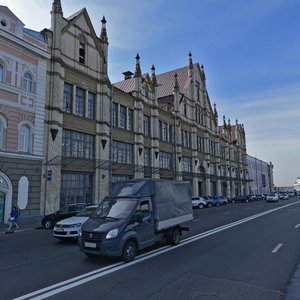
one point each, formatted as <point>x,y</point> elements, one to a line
<point>198,202</point>
<point>66,212</point>
<point>283,196</point>
<point>259,197</point>
<point>70,227</point>
<point>219,200</point>
<point>273,197</point>
<point>209,201</point>
<point>241,198</point>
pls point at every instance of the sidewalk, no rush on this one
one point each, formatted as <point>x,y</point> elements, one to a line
<point>25,223</point>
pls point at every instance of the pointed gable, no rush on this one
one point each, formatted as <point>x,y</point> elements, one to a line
<point>83,21</point>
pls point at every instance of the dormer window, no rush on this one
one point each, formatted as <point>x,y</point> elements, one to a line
<point>82,53</point>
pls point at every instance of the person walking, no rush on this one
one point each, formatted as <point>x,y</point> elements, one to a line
<point>13,218</point>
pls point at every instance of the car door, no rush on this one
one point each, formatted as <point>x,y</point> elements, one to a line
<point>145,229</point>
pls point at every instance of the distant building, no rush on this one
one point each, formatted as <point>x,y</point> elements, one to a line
<point>297,185</point>
<point>23,63</point>
<point>261,176</point>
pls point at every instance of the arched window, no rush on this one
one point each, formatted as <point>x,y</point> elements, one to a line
<point>1,133</point>
<point>1,72</point>
<point>27,82</point>
<point>25,138</point>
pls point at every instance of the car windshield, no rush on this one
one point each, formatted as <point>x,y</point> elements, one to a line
<point>86,212</point>
<point>115,209</point>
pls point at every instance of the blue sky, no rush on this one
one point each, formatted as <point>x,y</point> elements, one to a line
<point>250,51</point>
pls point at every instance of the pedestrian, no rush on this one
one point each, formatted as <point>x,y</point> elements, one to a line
<point>13,218</point>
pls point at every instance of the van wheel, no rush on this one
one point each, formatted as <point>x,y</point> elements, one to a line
<point>129,251</point>
<point>48,224</point>
<point>175,237</point>
<point>200,206</point>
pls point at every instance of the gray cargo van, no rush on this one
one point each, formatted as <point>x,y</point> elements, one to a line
<point>135,216</point>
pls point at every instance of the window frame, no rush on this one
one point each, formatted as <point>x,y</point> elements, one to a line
<point>27,83</point>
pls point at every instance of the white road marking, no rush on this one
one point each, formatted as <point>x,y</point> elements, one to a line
<point>277,248</point>
<point>76,281</point>
<point>297,226</point>
<point>227,213</point>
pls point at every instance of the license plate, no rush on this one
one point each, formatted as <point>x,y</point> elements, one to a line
<point>90,245</point>
<point>60,229</point>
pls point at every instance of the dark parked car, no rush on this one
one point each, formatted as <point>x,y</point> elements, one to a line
<point>241,198</point>
<point>66,212</point>
<point>219,200</point>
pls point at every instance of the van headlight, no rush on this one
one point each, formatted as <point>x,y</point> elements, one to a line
<point>112,234</point>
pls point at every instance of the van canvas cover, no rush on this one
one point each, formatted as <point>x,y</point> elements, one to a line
<point>171,199</point>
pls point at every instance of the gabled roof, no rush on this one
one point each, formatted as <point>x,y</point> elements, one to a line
<point>127,85</point>
<point>166,81</point>
<point>71,20</point>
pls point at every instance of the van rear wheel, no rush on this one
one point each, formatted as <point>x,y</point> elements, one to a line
<point>174,238</point>
<point>129,251</point>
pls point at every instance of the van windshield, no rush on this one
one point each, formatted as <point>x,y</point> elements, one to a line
<point>116,209</point>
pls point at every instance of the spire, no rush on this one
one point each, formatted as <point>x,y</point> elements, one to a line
<point>176,85</point>
<point>203,73</point>
<point>103,35</point>
<point>190,71</point>
<point>138,72</point>
<point>224,120</point>
<point>229,122</point>
<point>153,76</point>
<point>56,7</point>
<point>215,110</point>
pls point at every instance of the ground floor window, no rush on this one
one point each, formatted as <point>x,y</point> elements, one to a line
<point>76,188</point>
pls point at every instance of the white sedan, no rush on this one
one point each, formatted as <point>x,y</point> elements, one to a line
<point>70,227</point>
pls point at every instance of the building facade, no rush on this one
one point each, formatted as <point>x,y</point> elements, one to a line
<point>261,176</point>
<point>77,114</point>
<point>23,63</point>
<point>167,128</point>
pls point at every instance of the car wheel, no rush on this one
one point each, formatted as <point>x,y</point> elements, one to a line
<point>209,205</point>
<point>232,201</point>
<point>129,251</point>
<point>200,205</point>
<point>48,224</point>
<point>175,237</point>
<point>218,204</point>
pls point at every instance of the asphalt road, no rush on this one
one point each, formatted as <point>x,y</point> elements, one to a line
<point>238,251</point>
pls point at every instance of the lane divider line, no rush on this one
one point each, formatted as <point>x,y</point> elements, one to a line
<point>277,248</point>
<point>76,281</point>
<point>297,226</point>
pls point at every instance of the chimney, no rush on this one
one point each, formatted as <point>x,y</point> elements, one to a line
<point>127,75</point>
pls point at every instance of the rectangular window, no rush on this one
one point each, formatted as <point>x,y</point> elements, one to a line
<point>76,188</point>
<point>160,129</point>
<point>130,119</point>
<point>166,160</point>
<point>115,115</point>
<point>147,157</point>
<point>81,53</point>
<point>123,116</point>
<point>122,152</point>
<point>187,164</point>
<point>146,125</point>
<point>165,132</point>
<point>68,97</point>
<point>91,106</point>
<point>77,144</point>
<point>80,103</point>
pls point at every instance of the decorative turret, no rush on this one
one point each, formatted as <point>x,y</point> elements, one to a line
<point>190,70</point>
<point>103,35</point>
<point>224,121</point>
<point>137,72</point>
<point>215,111</point>
<point>56,7</point>
<point>176,85</point>
<point>153,76</point>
